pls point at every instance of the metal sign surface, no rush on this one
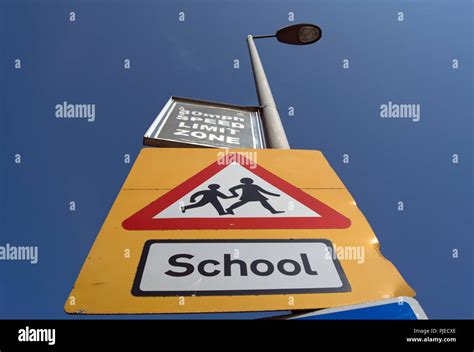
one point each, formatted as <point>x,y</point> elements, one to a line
<point>187,122</point>
<point>167,269</point>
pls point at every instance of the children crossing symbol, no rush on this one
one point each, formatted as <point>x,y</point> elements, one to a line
<point>250,193</point>
<point>235,193</point>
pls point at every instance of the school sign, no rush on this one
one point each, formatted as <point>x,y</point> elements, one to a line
<point>206,230</point>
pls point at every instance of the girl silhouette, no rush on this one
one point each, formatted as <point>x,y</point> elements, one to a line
<point>251,193</point>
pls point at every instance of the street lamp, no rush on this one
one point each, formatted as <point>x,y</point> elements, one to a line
<point>298,34</point>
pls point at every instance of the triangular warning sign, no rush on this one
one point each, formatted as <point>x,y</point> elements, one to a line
<point>235,193</point>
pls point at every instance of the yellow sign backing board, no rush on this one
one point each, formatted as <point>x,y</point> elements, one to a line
<point>206,230</point>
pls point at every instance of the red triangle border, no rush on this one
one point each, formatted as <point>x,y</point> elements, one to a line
<point>143,219</point>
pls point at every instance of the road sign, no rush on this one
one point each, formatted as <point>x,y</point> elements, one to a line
<point>234,192</point>
<point>259,267</point>
<point>164,269</point>
<point>400,308</point>
<point>185,122</point>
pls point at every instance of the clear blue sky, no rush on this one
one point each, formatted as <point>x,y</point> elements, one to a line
<point>337,111</point>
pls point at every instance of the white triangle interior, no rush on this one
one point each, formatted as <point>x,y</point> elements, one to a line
<point>227,178</point>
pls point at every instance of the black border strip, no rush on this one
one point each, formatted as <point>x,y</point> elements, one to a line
<point>136,291</point>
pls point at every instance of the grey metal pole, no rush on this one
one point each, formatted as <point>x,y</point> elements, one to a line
<point>274,131</point>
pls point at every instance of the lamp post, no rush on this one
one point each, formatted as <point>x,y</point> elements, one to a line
<point>298,34</point>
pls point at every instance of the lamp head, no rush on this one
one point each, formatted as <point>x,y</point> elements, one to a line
<point>299,34</point>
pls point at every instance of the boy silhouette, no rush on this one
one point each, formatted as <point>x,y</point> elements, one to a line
<point>208,196</point>
<point>251,193</point>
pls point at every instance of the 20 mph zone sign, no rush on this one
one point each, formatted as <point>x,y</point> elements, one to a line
<point>207,230</point>
<point>185,122</point>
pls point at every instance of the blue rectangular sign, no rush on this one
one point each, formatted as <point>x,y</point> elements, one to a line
<point>401,308</point>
